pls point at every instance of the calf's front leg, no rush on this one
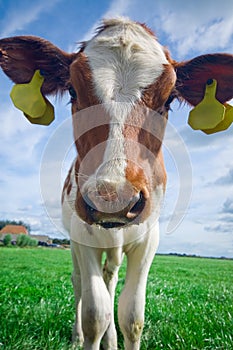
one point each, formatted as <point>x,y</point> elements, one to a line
<point>110,275</point>
<point>132,299</point>
<point>96,311</point>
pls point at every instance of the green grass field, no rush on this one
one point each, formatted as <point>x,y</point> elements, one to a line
<point>189,302</point>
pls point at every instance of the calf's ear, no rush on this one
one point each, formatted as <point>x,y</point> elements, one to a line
<point>21,56</point>
<point>192,77</point>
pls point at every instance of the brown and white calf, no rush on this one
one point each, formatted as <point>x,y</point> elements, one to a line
<point>121,83</point>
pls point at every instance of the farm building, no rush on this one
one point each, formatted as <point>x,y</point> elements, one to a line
<point>14,231</point>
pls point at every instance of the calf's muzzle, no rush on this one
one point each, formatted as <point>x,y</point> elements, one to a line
<point>113,204</point>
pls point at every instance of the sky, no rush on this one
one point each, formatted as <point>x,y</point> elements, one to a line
<point>197,214</point>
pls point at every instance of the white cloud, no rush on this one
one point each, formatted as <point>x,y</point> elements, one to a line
<point>197,241</point>
<point>226,179</point>
<point>228,207</point>
<point>25,13</point>
<point>19,139</point>
<point>199,26</point>
<point>118,8</point>
<point>18,191</point>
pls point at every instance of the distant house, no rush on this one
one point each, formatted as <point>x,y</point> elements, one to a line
<point>41,238</point>
<point>14,231</point>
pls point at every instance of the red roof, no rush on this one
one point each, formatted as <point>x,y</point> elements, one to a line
<point>14,229</point>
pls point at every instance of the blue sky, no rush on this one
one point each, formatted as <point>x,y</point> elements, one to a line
<point>197,217</point>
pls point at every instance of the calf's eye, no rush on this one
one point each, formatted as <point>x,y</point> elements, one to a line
<point>72,93</point>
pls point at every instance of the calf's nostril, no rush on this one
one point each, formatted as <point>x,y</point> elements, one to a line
<point>89,203</point>
<point>138,204</point>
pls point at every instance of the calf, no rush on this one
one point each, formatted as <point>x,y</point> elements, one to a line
<point>121,83</point>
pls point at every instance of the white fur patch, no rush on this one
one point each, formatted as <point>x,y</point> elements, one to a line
<point>124,59</point>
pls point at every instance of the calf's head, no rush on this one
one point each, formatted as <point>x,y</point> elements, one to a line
<point>121,84</point>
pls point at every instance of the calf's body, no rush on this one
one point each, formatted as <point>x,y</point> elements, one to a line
<point>121,84</point>
<point>117,181</point>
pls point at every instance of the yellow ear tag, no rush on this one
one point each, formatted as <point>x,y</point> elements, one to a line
<point>225,123</point>
<point>46,118</point>
<point>209,112</point>
<point>28,97</point>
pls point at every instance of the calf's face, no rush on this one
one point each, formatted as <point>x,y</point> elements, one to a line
<point>119,110</point>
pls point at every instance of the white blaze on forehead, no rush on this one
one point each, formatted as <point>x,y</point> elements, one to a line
<point>124,59</point>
